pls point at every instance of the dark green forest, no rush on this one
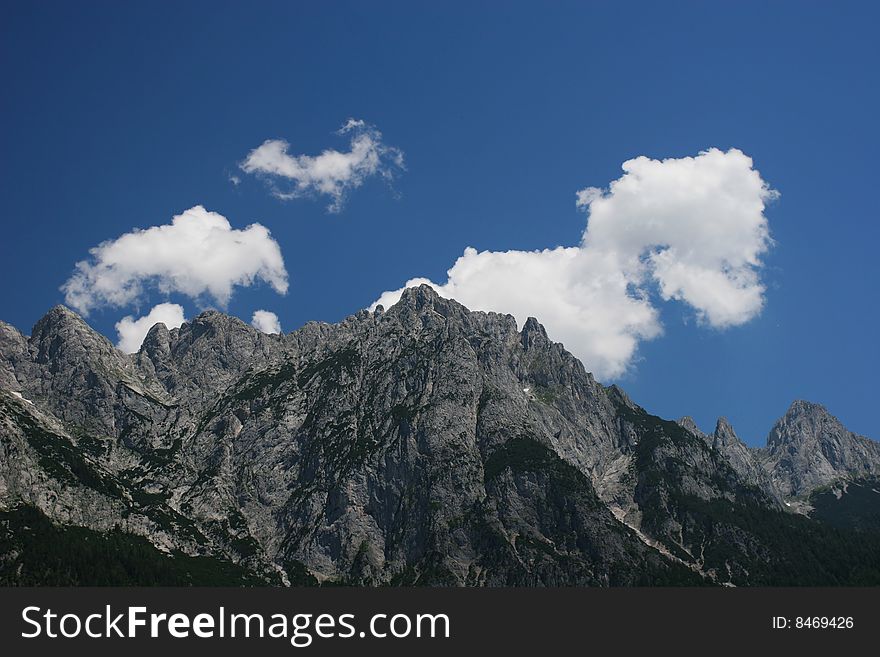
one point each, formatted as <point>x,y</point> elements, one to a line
<point>36,552</point>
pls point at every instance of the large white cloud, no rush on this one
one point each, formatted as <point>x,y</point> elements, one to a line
<point>332,173</point>
<point>198,254</point>
<point>266,321</point>
<point>133,331</point>
<point>693,228</point>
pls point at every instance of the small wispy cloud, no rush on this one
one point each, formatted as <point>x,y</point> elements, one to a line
<point>332,173</point>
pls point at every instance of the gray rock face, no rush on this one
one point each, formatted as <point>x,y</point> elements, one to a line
<point>15,359</point>
<point>203,357</point>
<point>425,444</point>
<point>808,448</point>
<point>742,459</point>
<point>688,423</point>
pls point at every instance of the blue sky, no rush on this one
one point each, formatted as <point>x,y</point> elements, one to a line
<point>122,115</point>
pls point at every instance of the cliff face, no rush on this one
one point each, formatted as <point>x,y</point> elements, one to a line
<point>809,448</point>
<point>744,460</point>
<point>425,444</point>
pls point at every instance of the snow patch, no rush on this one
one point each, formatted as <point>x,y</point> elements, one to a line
<point>18,394</point>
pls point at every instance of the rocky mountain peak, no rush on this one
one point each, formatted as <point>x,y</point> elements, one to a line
<point>157,336</point>
<point>802,406</point>
<point>534,335</point>
<point>60,313</point>
<point>688,423</point>
<point>59,319</point>
<point>802,412</point>
<point>203,356</point>
<point>422,308</point>
<point>420,297</point>
<point>157,340</point>
<point>211,323</point>
<point>62,336</point>
<point>724,432</point>
<point>804,422</point>
<point>809,447</point>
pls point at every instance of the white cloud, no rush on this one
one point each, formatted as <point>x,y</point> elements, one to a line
<point>133,331</point>
<point>693,228</point>
<point>199,254</point>
<point>332,173</point>
<point>695,225</point>
<point>266,321</point>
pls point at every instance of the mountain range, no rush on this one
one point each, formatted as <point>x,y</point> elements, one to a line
<point>424,444</point>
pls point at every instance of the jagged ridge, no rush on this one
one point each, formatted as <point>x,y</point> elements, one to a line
<point>425,444</point>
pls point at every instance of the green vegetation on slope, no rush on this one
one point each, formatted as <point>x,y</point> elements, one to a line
<point>858,507</point>
<point>36,552</point>
<point>734,532</point>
